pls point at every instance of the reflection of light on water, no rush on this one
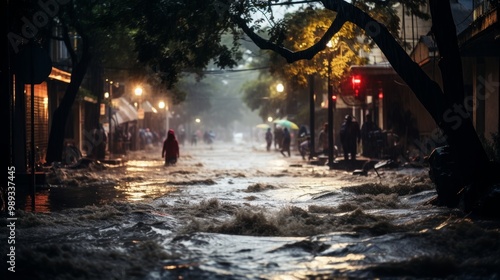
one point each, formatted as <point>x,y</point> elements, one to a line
<point>179,266</point>
<point>343,261</point>
<point>320,264</point>
<point>134,191</point>
<point>442,225</point>
<point>141,164</point>
<point>41,202</point>
<point>337,262</point>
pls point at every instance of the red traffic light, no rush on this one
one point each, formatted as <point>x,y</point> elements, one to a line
<point>356,82</point>
<point>356,85</point>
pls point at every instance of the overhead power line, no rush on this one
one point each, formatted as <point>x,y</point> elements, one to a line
<point>222,71</point>
<point>290,2</point>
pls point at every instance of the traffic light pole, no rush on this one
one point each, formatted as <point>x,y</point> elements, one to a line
<point>312,125</point>
<point>330,117</point>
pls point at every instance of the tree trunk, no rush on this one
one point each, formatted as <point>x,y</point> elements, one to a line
<point>57,131</point>
<point>462,137</point>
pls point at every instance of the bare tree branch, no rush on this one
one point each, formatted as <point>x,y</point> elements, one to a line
<point>289,55</point>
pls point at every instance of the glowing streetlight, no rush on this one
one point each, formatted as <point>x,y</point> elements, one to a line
<point>140,114</point>
<point>140,111</point>
<point>138,91</point>
<point>280,87</point>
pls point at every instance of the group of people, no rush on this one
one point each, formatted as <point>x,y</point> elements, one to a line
<point>282,139</point>
<point>147,138</point>
<point>351,135</point>
<point>208,137</point>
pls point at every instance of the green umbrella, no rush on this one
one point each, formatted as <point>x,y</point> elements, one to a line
<point>286,123</point>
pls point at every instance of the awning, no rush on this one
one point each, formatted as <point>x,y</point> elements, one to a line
<point>60,75</point>
<point>148,108</point>
<point>123,111</point>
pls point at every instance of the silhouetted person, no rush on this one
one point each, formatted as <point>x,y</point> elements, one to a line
<point>99,143</point>
<point>182,136</point>
<point>349,137</point>
<point>269,139</point>
<point>278,137</point>
<point>367,137</point>
<point>194,139</point>
<point>285,144</point>
<point>323,139</point>
<point>170,149</point>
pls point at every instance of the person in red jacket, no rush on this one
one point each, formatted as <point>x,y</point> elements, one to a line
<point>170,149</point>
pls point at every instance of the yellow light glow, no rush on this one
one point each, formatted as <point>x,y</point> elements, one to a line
<point>280,87</point>
<point>161,104</point>
<point>138,91</point>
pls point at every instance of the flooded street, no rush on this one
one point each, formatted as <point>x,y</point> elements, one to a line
<point>236,211</point>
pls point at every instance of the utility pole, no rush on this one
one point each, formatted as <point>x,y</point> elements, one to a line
<point>330,115</point>
<point>312,125</point>
<point>110,115</point>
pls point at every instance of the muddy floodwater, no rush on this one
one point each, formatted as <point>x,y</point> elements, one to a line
<point>236,211</point>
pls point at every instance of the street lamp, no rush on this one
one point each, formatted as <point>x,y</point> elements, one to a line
<point>140,115</point>
<point>331,147</point>
<point>138,91</point>
<point>280,88</point>
<point>162,105</point>
<point>312,121</point>
<point>110,133</point>
<point>140,110</point>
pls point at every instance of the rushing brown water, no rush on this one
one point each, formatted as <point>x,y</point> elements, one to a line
<point>239,212</point>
